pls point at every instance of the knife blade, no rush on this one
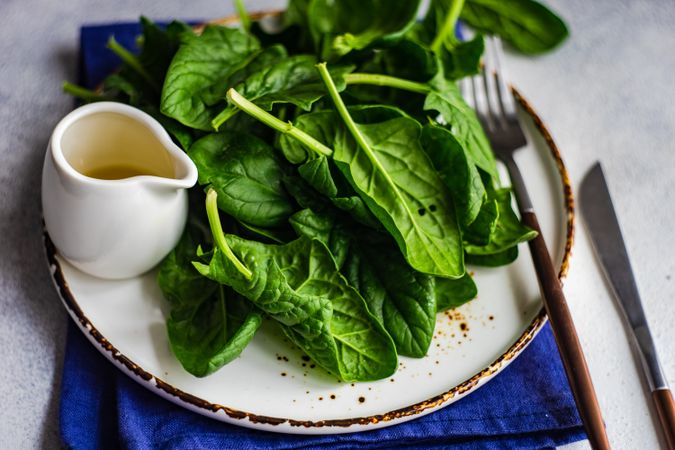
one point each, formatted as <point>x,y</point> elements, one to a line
<point>605,232</point>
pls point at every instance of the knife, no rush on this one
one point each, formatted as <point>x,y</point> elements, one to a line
<point>603,227</point>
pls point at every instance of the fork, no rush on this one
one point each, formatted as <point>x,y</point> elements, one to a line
<point>492,99</point>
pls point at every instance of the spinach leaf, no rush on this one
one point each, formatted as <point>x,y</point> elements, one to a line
<point>340,27</point>
<point>141,76</point>
<point>323,228</point>
<point>495,259</point>
<point>292,80</point>
<point>259,61</point>
<point>209,325</point>
<point>304,194</point>
<point>294,33</point>
<point>177,278</point>
<point>318,171</point>
<point>463,59</point>
<point>464,125</point>
<point>526,24</point>
<point>457,171</point>
<point>407,58</point>
<point>396,180</point>
<point>319,174</point>
<point>159,46</point>
<point>388,168</point>
<point>508,232</point>
<point>401,298</point>
<point>482,229</point>
<point>321,125</point>
<point>459,58</point>
<point>299,285</point>
<point>324,125</point>
<point>454,293</point>
<point>207,336</point>
<point>203,64</point>
<point>181,134</point>
<point>280,235</point>
<point>247,174</point>
<point>296,13</point>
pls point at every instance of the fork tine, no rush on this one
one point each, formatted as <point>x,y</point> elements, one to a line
<point>491,89</point>
<point>481,103</point>
<point>496,52</point>
<point>466,89</point>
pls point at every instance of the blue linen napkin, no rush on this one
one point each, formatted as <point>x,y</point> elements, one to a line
<point>529,405</point>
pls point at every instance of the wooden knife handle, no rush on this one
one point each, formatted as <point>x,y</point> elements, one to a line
<point>663,400</point>
<point>566,337</point>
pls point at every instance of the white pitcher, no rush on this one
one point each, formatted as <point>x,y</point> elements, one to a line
<point>114,193</point>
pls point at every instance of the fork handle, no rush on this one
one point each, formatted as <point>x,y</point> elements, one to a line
<point>566,336</point>
<point>665,407</point>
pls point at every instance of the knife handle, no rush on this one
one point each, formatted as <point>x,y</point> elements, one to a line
<point>663,400</point>
<point>566,337</point>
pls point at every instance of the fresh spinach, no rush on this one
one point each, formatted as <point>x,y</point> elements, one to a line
<point>457,170</point>
<point>322,227</point>
<point>464,59</point>
<point>386,165</point>
<point>508,232</point>
<point>247,175</point>
<point>319,171</point>
<point>323,176</point>
<point>298,284</point>
<point>481,230</point>
<point>401,298</point>
<point>459,58</point>
<point>526,24</point>
<point>159,46</point>
<point>454,293</point>
<point>292,80</point>
<point>349,219</point>
<point>396,180</point>
<point>407,58</point>
<point>446,99</point>
<point>340,27</point>
<point>201,67</point>
<point>209,325</point>
<point>494,259</point>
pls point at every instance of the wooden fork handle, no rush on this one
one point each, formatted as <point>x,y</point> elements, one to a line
<point>663,400</point>
<point>565,334</point>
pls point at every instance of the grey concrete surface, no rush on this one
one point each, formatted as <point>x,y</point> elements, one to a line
<point>606,94</point>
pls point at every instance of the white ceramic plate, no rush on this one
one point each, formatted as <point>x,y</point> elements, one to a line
<point>271,387</point>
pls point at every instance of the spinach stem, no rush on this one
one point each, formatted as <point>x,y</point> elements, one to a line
<point>386,80</point>
<point>82,93</point>
<point>131,60</point>
<point>223,116</point>
<point>341,107</point>
<point>219,236</point>
<point>243,15</point>
<point>447,31</point>
<point>268,119</point>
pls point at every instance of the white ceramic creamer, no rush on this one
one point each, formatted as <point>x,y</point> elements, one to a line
<point>114,193</point>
